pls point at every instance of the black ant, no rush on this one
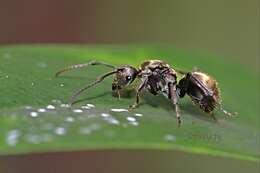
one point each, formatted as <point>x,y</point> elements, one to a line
<point>158,77</point>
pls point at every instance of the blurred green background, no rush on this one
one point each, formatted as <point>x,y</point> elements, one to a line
<point>226,28</point>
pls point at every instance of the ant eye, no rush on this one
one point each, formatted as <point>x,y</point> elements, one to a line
<point>128,78</point>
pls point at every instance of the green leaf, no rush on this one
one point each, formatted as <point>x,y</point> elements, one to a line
<point>27,85</point>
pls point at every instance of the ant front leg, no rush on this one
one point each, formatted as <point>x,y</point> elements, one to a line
<point>138,91</point>
<point>118,94</point>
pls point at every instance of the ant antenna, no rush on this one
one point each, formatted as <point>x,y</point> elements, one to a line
<point>83,66</point>
<point>100,79</point>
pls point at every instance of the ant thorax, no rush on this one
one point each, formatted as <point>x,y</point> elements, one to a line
<point>158,82</point>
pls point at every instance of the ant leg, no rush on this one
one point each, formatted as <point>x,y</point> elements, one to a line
<point>213,116</point>
<point>139,89</point>
<point>83,66</point>
<point>174,99</point>
<point>118,94</point>
<point>229,114</point>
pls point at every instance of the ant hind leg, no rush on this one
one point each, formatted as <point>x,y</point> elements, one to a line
<point>229,114</point>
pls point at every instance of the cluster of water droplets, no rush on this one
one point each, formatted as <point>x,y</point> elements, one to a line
<point>55,120</point>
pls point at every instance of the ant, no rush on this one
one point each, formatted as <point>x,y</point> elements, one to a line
<point>158,77</point>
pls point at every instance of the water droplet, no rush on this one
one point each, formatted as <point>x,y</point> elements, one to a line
<point>91,105</point>
<point>134,123</point>
<point>61,85</point>
<point>32,138</point>
<point>85,107</point>
<point>113,121</point>
<point>47,126</point>
<point>105,114</point>
<point>119,110</point>
<point>169,137</point>
<point>132,119</point>
<point>65,105</point>
<point>56,101</point>
<point>69,119</point>
<point>34,114</point>
<point>50,107</point>
<point>77,110</point>
<point>60,131</point>
<point>84,130</point>
<point>41,110</point>
<point>42,65</point>
<point>138,115</point>
<point>94,126</point>
<point>32,84</point>
<point>28,107</point>
<point>6,76</point>
<point>12,137</point>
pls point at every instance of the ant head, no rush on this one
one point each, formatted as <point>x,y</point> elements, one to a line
<point>125,75</point>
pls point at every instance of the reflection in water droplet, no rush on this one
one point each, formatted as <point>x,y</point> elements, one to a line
<point>60,131</point>
<point>61,85</point>
<point>41,110</point>
<point>119,110</point>
<point>138,115</point>
<point>34,114</point>
<point>50,107</point>
<point>6,76</point>
<point>12,137</point>
<point>77,110</point>
<point>32,84</point>
<point>69,119</point>
<point>91,105</point>
<point>132,119</point>
<point>169,137</point>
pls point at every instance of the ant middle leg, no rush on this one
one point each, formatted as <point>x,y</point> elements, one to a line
<point>174,99</point>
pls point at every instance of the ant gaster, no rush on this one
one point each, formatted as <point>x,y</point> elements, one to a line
<point>203,90</point>
<point>157,77</point>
